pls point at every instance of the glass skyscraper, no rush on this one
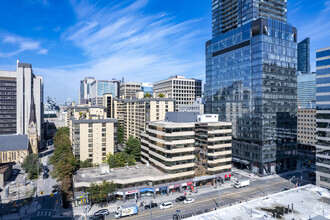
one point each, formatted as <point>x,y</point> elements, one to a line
<point>306,90</point>
<point>323,117</point>
<point>304,56</point>
<point>251,80</point>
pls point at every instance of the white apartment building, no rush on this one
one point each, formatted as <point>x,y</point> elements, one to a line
<point>18,90</point>
<point>183,90</point>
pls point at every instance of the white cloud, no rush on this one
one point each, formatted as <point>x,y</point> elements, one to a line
<point>123,41</point>
<point>21,44</point>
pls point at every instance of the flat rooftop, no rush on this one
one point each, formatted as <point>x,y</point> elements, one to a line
<point>122,175</point>
<point>308,202</point>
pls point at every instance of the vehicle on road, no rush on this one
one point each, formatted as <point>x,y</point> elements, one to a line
<point>126,210</point>
<point>166,205</point>
<point>153,205</point>
<point>46,169</point>
<point>180,198</point>
<point>102,212</point>
<point>45,176</point>
<point>188,200</point>
<point>285,189</point>
<point>14,172</point>
<point>241,183</point>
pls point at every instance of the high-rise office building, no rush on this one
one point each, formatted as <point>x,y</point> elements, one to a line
<point>128,89</point>
<point>21,94</point>
<point>228,15</point>
<point>183,90</point>
<point>100,87</point>
<point>84,90</point>
<point>323,117</point>
<point>304,65</point>
<point>306,90</point>
<point>251,80</point>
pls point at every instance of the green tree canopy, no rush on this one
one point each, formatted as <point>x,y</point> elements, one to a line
<point>100,192</point>
<point>161,95</point>
<point>120,134</point>
<point>111,160</point>
<point>86,163</point>
<point>133,147</point>
<point>147,95</point>
<point>32,166</point>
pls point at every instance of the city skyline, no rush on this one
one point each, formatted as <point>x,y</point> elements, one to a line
<point>84,39</point>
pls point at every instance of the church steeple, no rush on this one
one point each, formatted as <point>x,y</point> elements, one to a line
<point>32,129</point>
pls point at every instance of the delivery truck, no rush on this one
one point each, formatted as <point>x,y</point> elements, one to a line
<point>126,210</point>
<point>241,183</point>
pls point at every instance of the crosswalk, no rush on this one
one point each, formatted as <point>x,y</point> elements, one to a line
<point>45,213</point>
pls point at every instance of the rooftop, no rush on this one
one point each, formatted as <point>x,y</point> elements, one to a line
<point>86,121</point>
<point>14,142</point>
<point>309,202</point>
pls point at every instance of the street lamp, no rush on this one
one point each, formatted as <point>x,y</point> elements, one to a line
<point>290,181</point>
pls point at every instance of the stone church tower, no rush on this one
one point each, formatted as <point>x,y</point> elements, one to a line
<point>32,129</point>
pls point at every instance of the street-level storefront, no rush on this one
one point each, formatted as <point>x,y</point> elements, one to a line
<point>131,194</point>
<point>204,180</point>
<point>174,188</point>
<point>119,195</point>
<point>147,192</point>
<point>161,190</point>
<point>80,200</point>
<point>187,185</point>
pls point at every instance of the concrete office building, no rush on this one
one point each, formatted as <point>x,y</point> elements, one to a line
<point>198,106</point>
<point>100,87</point>
<point>129,89</point>
<point>306,88</point>
<point>92,134</point>
<point>251,81</point>
<point>172,145</point>
<point>306,136</point>
<point>183,90</point>
<point>84,90</point>
<point>304,65</point>
<point>323,117</point>
<point>18,89</point>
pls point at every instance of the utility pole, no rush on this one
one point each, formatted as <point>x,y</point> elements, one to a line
<point>150,210</point>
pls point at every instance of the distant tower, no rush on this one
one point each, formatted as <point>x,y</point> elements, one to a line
<point>32,129</point>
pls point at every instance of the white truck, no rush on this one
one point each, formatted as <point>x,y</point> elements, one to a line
<point>241,183</point>
<point>126,210</point>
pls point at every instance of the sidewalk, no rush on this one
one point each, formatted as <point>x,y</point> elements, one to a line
<point>25,212</point>
<point>79,211</point>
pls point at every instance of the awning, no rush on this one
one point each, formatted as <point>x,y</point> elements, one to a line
<point>201,178</point>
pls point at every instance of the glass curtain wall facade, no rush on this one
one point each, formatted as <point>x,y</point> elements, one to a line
<point>323,117</point>
<point>306,90</point>
<point>251,80</point>
<point>304,56</point>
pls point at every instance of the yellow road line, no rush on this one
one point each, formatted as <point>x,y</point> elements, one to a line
<point>224,195</point>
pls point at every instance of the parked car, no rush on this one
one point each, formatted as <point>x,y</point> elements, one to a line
<point>188,200</point>
<point>46,169</point>
<point>102,212</point>
<point>14,172</point>
<point>180,198</point>
<point>153,205</point>
<point>45,176</point>
<point>166,205</point>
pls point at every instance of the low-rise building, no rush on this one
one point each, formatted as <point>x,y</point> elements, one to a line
<point>14,148</point>
<point>5,172</point>
<point>198,106</point>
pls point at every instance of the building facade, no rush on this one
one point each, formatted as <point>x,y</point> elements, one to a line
<point>228,15</point>
<point>17,90</point>
<point>84,90</point>
<point>198,106</point>
<point>306,136</point>
<point>188,145</point>
<point>14,148</point>
<point>183,90</point>
<point>129,89</point>
<point>147,88</point>
<point>304,65</point>
<point>100,87</point>
<point>323,117</point>
<point>92,134</point>
<point>251,81</point>
<point>306,90</point>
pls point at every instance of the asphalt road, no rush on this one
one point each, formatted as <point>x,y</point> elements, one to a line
<point>229,196</point>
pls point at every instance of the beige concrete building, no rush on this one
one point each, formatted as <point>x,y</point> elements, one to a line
<point>184,91</point>
<point>306,136</point>
<point>128,89</point>
<point>188,145</point>
<point>92,134</point>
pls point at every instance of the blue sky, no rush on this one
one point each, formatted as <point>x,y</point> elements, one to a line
<point>142,40</point>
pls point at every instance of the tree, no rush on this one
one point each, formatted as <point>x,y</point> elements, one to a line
<point>120,134</point>
<point>86,163</point>
<point>101,192</point>
<point>32,166</point>
<point>133,147</point>
<point>147,95</point>
<point>111,160</point>
<point>161,95</point>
